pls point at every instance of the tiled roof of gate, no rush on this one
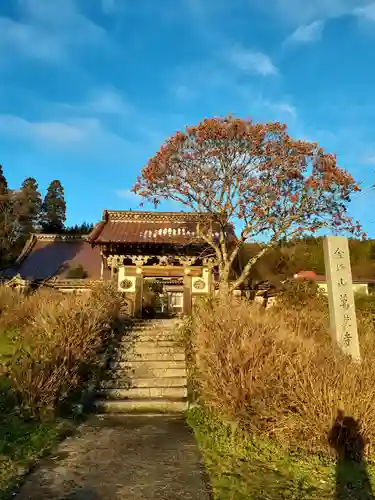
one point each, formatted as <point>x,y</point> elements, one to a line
<point>150,227</point>
<point>47,256</point>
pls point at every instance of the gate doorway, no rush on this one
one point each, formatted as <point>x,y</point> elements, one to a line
<point>168,296</point>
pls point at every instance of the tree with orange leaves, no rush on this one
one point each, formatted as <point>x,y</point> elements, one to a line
<point>254,176</point>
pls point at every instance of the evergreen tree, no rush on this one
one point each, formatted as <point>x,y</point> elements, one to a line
<point>9,227</point>
<point>84,228</point>
<point>53,213</point>
<point>3,182</point>
<point>30,203</point>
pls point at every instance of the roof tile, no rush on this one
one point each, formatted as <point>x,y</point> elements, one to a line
<point>52,256</point>
<point>150,227</point>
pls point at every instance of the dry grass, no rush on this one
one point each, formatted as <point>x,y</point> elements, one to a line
<point>57,343</point>
<point>50,354</point>
<point>277,372</point>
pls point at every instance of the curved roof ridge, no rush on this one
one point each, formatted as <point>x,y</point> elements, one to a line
<point>141,216</point>
<point>58,237</point>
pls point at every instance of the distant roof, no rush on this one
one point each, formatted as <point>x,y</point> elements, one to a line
<point>150,227</point>
<point>51,255</point>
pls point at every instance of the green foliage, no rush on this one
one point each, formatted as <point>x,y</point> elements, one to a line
<point>365,304</point>
<point>299,294</point>
<point>306,254</point>
<point>150,298</point>
<point>3,182</point>
<point>53,214</point>
<point>22,212</point>
<point>9,230</point>
<point>22,443</point>
<point>242,467</point>
<point>77,272</point>
<point>84,228</point>
<point>30,202</point>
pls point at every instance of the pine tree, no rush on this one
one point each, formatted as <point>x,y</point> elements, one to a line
<point>53,209</point>
<point>30,203</point>
<point>9,227</point>
<point>84,228</point>
<point>3,182</point>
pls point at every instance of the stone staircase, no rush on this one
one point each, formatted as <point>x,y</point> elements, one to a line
<point>149,372</point>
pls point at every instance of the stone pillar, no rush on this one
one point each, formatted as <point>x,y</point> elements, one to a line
<point>342,314</point>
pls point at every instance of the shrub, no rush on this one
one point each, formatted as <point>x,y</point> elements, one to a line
<point>59,346</point>
<point>277,371</point>
<point>300,294</point>
<point>77,272</point>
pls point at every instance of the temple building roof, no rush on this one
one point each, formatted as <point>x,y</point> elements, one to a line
<point>50,255</point>
<point>150,227</point>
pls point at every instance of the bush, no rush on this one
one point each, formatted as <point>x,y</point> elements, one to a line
<point>60,340</point>
<point>277,372</point>
<point>301,294</point>
<point>77,272</point>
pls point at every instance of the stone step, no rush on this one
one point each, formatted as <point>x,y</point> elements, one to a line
<point>144,370</point>
<point>155,332</point>
<point>145,392</point>
<point>179,381</point>
<point>151,347</point>
<point>140,363</point>
<point>152,326</point>
<point>150,337</point>
<point>152,356</point>
<point>142,406</point>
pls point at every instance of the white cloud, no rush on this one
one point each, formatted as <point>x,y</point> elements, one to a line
<point>183,93</point>
<point>368,12</point>
<point>113,6</point>
<point>298,12</point>
<point>80,134</point>
<point>227,91</point>
<point>127,194</point>
<point>252,61</point>
<point>48,30</point>
<point>56,132</point>
<point>29,41</point>
<point>99,102</point>
<point>308,33</point>
<point>107,101</point>
<point>369,160</point>
<point>284,108</point>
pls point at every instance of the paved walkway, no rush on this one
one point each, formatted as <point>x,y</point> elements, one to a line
<point>122,458</point>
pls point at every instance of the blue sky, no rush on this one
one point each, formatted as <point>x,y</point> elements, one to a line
<point>89,89</point>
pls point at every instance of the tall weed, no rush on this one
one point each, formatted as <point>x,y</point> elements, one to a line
<point>277,372</point>
<point>59,343</point>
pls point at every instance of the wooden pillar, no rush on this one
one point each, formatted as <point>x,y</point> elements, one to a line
<point>210,264</point>
<point>114,261</point>
<point>138,299</point>
<point>187,306</point>
<point>210,281</point>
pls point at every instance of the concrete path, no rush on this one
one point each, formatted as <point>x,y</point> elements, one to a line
<point>122,458</point>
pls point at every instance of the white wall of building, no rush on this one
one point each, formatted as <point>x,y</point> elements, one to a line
<point>360,288</point>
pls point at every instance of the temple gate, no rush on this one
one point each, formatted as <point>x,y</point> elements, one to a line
<point>141,248</point>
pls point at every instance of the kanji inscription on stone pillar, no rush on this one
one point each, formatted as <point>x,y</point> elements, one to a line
<point>343,321</point>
